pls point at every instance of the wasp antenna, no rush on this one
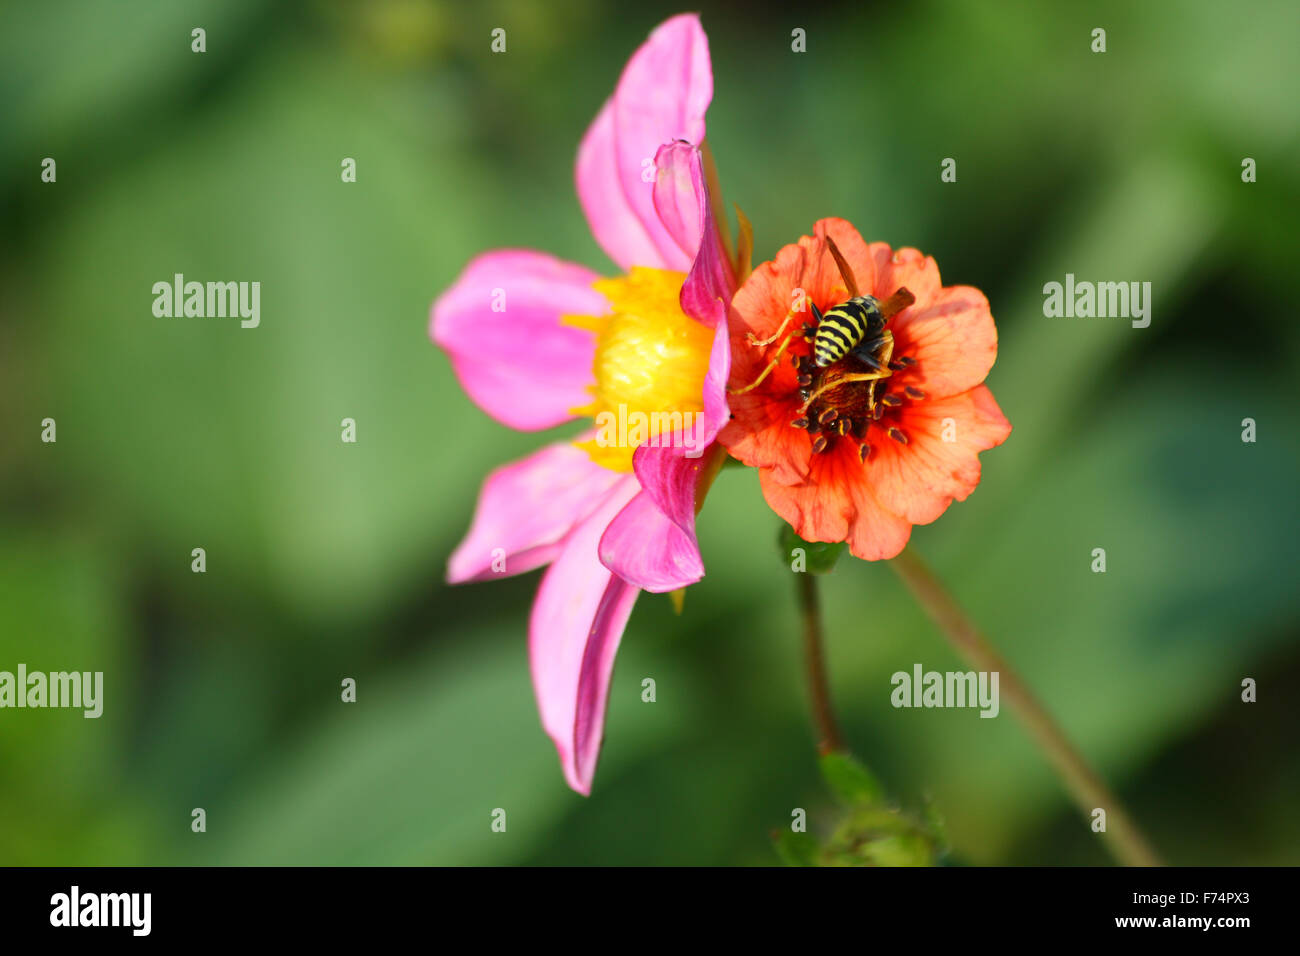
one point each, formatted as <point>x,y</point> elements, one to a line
<point>896,303</point>
<point>845,272</point>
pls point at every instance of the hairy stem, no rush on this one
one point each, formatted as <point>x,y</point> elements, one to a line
<point>1085,786</point>
<point>828,731</point>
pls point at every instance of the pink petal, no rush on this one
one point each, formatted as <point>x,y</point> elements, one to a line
<point>662,96</point>
<point>705,295</point>
<point>678,188</point>
<point>574,633</point>
<point>652,542</point>
<point>654,552</point>
<point>520,364</point>
<point>681,199</point>
<point>716,411</point>
<point>526,509</point>
<point>600,190</point>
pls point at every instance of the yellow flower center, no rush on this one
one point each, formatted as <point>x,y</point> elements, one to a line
<point>651,359</point>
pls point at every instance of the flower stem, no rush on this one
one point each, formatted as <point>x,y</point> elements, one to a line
<point>819,691</point>
<point>1086,787</point>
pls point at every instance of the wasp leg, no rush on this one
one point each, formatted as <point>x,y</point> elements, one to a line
<point>754,340</point>
<point>776,360</point>
<point>865,352</point>
<point>885,365</point>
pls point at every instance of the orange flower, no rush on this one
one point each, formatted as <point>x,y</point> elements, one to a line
<point>842,458</point>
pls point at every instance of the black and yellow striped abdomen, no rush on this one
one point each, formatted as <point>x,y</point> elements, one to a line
<point>842,328</point>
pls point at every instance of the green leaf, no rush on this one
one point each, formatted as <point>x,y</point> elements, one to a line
<point>819,557</point>
<point>796,849</point>
<point>933,822</point>
<point>880,837</point>
<point>851,782</point>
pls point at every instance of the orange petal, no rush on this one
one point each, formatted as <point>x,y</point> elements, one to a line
<point>953,339</point>
<point>920,479</point>
<point>836,503</point>
<point>762,303</point>
<point>760,435</point>
<point>821,278</point>
<point>904,269</point>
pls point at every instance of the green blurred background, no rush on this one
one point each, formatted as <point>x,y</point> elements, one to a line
<point>325,560</point>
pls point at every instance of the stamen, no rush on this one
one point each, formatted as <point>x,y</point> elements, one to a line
<point>914,392</point>
<point>864,452</point>
<point>827,416</point>
<point>892,400</point>
<point>650,357</point>
<point>898,436</point>
<point>799,423</point>
<point>819,445</point>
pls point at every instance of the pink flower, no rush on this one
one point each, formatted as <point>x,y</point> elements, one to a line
<point>536,342</point>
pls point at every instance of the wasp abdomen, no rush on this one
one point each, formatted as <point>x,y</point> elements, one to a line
<point>843,327</point>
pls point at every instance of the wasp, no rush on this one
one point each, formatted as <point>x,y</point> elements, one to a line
<point>850,341</point>
<point>856,326</point>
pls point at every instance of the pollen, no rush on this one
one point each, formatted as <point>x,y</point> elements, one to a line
<point>650,364</point>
